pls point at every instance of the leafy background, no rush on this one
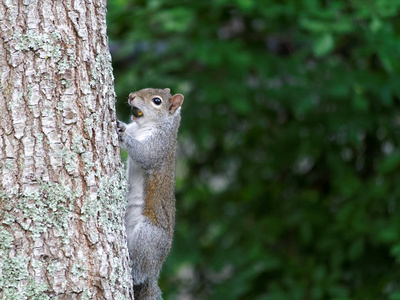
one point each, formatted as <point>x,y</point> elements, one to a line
<point>288,171</point>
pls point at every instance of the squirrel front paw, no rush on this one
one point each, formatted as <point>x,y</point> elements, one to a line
<point>121,128</point>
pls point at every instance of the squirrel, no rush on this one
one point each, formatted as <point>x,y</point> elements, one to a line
<point>151,141</point>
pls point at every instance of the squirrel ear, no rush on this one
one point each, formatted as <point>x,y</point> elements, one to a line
<point>175,102</point>
<point>167,90</point>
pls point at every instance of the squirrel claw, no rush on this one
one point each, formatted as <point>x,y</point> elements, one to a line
<point>121,127</point>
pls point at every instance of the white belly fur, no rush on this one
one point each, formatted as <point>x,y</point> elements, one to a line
<point>136,194</point>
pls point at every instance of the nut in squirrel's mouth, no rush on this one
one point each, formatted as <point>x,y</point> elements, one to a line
<point>136,112</point>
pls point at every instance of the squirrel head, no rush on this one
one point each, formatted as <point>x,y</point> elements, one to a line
<point>153,105</point>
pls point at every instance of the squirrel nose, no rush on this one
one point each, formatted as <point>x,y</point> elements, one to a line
<point>131,97</point>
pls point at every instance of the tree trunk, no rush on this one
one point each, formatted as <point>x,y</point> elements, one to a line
<point>61,181</point>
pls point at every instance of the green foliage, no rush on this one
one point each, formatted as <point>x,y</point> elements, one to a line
<point>287,182</point>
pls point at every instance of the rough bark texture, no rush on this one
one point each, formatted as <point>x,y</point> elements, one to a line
<point>61,184</point>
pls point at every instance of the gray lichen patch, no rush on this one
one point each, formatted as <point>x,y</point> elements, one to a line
<point>113,193</point>
<point>70,160</point>
<point>36,290</point>
<point>105,207</point>
<point>49,206</point>
<point>15,282</point>
<point>118,275</point>
<point>79,143</point>
<point>89,122</point>
<point>63,65</point>
<point>60,51</point>
<point>48,45</point>
<point>79,270</point>
<point>6,242</point>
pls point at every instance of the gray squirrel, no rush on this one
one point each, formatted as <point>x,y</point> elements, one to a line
<point>151,141</point>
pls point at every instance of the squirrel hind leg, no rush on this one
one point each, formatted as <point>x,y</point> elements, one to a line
<point>148,290</point>
<point>148,248</point>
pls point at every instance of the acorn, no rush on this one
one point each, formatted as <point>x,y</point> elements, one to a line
<point>136,112</point>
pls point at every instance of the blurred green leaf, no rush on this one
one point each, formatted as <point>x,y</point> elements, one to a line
<point>395,251</point>
<point>323,45</point>
<point>389,163</point>
<point>174,20</point>
<point>394,295</point>
<point>360,103</point>
<point>375,25</point>
<point>356,249</point>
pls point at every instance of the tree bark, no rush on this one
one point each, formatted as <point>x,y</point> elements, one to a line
<point>62,188</point>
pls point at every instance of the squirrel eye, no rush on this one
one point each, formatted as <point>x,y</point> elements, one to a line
<point>157,101</point>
